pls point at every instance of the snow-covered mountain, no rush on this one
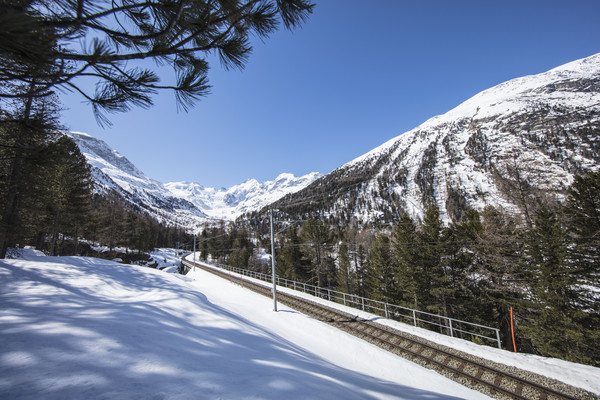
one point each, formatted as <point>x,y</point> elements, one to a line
<point>239,199</point>
<point>500,147</point>
<point>185,204</point>
<point>111,171</point>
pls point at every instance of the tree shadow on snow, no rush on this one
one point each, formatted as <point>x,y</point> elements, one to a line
<point>147,335</point>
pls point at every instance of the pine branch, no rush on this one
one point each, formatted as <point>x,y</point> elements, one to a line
<point>38,44</point>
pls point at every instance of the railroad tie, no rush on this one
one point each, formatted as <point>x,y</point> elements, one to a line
<point>446,360</point>
<point>543,395</point>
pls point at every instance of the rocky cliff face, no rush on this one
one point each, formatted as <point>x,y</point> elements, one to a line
<point>501,147</point>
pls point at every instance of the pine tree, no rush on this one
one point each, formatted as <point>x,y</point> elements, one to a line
<point>409,271</point>
<point>460,241</point>
<point>112,216</point>
<point>498,251</point>
<point>346,276</point>
<point>382,270</point>
<point>68,183</point>
<point>317,235</point>
<point>431,260</point>
<point>290,258</point>
<point>583,224</point>
<point>241,248</point>
<point>26,127</point>
<point>364,280</point>
<point>203,245</point>
<point>583,218</point>
<point>553,309</point>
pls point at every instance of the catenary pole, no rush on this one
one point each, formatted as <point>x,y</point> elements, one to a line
<point>273,276</point>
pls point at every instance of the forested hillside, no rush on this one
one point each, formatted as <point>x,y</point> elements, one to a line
<point>47,193</point>
<point>546,266</point>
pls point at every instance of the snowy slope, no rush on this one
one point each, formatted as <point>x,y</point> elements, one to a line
<point>249,196</point>
<point>540,129</point>
<point>73,327</point>
<point>112,171</point>
<point>181,203</point>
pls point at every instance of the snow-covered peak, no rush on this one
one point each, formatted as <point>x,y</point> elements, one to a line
<point>517,95</point>
<point>101,155</point>
<point>541,129</point>
<point>184,203</point>
<point>184,188</point>
<point>249,196</point>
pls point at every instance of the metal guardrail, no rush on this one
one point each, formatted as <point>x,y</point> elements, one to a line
<point>438,323</point>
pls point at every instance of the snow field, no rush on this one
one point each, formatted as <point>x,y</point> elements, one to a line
<point>74,327</point>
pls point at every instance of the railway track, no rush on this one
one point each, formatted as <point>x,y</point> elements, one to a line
<point>496,380</point>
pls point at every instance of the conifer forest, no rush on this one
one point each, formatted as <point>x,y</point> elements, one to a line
<point>545,266</point>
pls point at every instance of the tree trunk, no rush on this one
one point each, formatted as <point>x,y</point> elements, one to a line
<point>9,216</point>
<point>54,244</point>
<point>504,316</point>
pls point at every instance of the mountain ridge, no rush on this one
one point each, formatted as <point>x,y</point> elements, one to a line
<point>247,196</point>
<point>538,130</point>
<point>501,147</point>
<point>189,205</point>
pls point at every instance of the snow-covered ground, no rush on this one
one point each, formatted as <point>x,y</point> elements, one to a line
<point>85,328</point>
<point>167,260</point>
<point>75,327</point>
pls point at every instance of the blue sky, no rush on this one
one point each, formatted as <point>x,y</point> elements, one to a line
<point>357,74</point>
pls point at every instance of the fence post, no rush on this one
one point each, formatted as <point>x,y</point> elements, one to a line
<point>386,311</point>
<point>344,295</point>
<point>451,332</point>
<point>414,317</point>
<point>498,338</point>
<point>363,303</point>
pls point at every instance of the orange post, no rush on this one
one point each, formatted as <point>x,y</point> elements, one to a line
<point>512,330</point>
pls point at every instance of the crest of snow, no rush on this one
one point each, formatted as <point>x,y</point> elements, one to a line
<point>510,96</point>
